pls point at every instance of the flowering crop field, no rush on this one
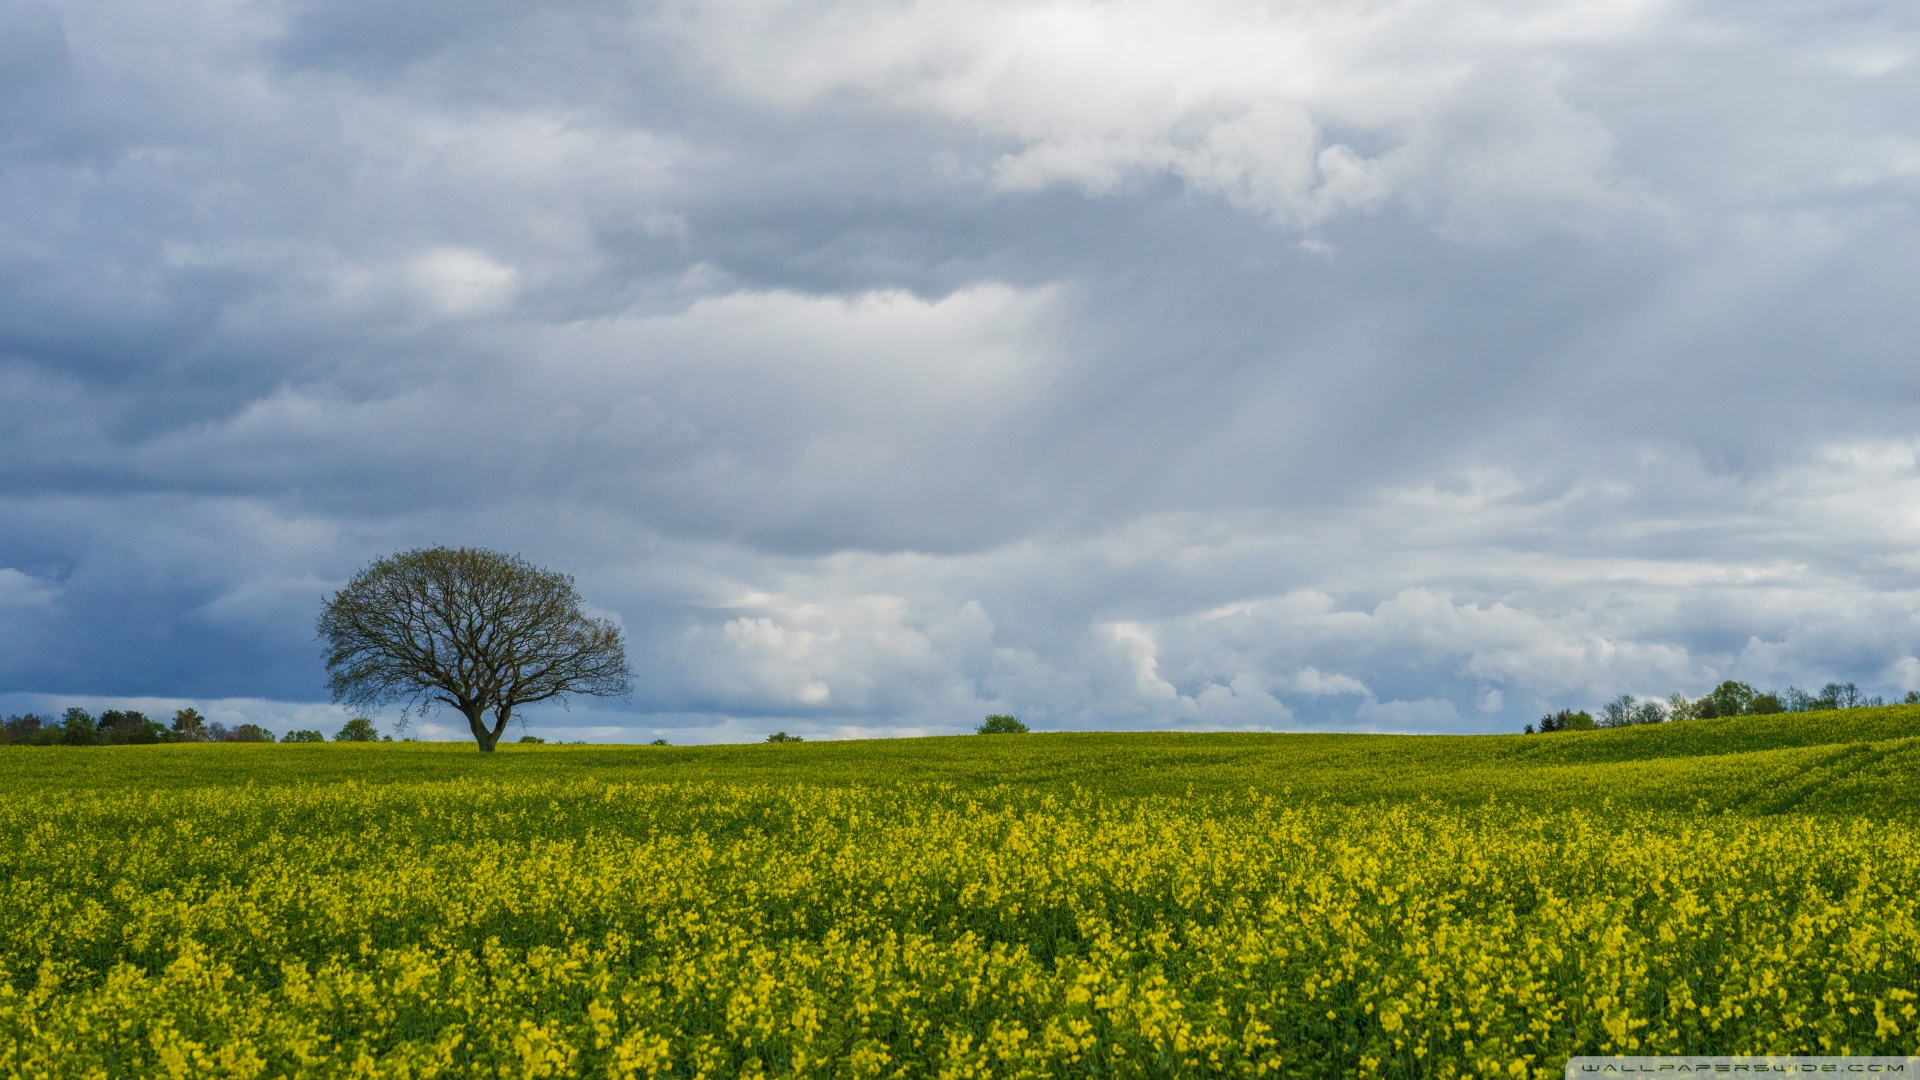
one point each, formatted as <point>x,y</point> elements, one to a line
<point>1043,905</point>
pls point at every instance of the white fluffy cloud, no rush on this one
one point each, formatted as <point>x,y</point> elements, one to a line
<point>1296,112</point>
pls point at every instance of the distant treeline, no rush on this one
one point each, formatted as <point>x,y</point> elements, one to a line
<point>1728,699</point>
<point>78,727</point>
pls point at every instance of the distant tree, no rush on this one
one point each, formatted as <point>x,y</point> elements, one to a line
<point>1794,699</point>
<point>358,729</point>
<point>1001,724</point>
<point>23,729</point>
<point>1528,730</point>
<point>1731,698</point>
<point>1848,696</point>
<point>475,631</point>
<point>534,739</point>
<point>1622,711</point>
<point>1566,720</point>
<point>121,727</point>
<point>1679,707</point>
<point>304,735</point>
<point>1765,705</point>
<point>189,725</point>
<point>659,742</point>
<point>77,728</point>
<point>252,733</point>
<point>781,736</point>
<point>1912,698</point>
<point>1628,711</point>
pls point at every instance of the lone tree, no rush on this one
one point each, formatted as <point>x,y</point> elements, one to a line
<point>473,630</point>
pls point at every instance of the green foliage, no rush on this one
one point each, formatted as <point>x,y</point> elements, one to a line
<point>189,726</point>
<point>1731,698</point>
<point>358,729</point>
<point>28,730</point>
<point>783,737</point>
<point>1001,724</point>
<point>1155,905</point>
<point>1566,720</point>
<point>659,742</point>
<point>534,740</point>
<point>77,728</point>
<point>121,728</point>
<point>304,736</point>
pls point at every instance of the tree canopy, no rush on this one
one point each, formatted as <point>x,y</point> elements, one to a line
<point>476,631</point>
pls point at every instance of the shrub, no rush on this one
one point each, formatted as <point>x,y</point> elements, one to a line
<point>781,736</point>
<point>533,739</point>
<point>1001,724</point>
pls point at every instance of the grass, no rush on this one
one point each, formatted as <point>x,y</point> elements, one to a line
<point>1849,762</point>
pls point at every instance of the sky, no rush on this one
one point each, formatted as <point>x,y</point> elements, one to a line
<point>1365,365</point>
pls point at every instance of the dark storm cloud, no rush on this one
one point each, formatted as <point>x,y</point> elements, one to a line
<point>880,366</point>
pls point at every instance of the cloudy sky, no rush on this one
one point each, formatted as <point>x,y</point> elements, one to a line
<point>1384,365</point>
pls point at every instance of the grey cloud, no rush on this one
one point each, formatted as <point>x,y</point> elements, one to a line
<point>1540,361</point>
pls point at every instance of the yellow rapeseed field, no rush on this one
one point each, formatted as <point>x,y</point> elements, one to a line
<point>1047,906</point>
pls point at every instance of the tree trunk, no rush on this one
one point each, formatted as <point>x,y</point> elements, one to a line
<point>477,723</point>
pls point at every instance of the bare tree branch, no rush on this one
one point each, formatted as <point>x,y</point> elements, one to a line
<point>475,630</point>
